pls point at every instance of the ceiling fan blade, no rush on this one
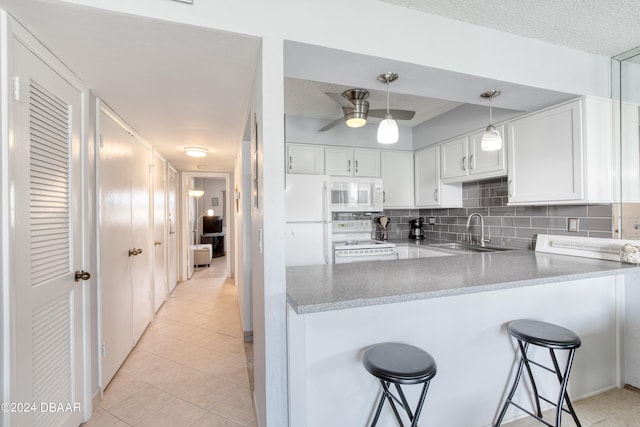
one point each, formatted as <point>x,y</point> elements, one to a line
<point>396,114</point>
<point>341,100</point>
<point>332,124</point>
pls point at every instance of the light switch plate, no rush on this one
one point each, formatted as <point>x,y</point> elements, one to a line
<point>573,224</point>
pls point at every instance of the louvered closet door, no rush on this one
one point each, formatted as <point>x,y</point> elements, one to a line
<point>46,123</point>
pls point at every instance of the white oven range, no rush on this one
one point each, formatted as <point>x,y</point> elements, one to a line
<point>352,243</point>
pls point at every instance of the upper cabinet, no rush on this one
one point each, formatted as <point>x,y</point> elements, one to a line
<point>352,162</point>
<point>562,155</point>
<point>397,178</point>
<point>462,159</point>
<point>305,158</point>
<point>429,189</point>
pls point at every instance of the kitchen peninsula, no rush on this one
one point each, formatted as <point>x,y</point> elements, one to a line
<point>456,308</point>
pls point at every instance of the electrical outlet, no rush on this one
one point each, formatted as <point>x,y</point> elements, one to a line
<point>432,220</point>
<point>573,224</point>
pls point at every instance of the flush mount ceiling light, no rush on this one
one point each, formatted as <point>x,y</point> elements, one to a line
<point>491,139</point>
<point>388,128</point>
<point>196,151</point>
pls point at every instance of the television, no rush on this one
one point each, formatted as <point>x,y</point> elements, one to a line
<point>211,224</point>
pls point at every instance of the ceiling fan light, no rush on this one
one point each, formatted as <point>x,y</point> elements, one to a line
<point>388,131</point>
<point>356,122</point>
<point>491,139</point>
<point>196,151</point>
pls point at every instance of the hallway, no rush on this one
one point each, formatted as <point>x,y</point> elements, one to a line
<point>191,366</point>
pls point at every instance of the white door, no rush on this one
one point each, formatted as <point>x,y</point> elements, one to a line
<point>47,305</point>
<point>366,163</point>
<point>116,303</point>
<point>141,272</point>
<point>454,159</point>
<point>397,178</point>
<point>160,288</point>
<point>338,161</point>
<point>172,207</point>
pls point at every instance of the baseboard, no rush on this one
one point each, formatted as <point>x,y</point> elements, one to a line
<point>96,399</point>
<point>248,336</point>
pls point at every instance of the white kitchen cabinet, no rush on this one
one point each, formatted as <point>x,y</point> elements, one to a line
<point>462,159</point>
<point>397,178</point>
<point>305,158</point>
<point>429,189</point>
<point>562,155</point>
<point>360,162</point>
<point>411,251</point>
<point>454,158</point>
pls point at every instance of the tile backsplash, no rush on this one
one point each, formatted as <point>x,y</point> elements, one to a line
<point>512,226</point>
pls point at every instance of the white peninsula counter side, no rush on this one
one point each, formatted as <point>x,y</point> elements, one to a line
<point>456,308</point>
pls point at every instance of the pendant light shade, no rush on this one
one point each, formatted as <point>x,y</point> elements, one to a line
<point>388,131</point>
<point>388,128</point>
<point>491,139</point>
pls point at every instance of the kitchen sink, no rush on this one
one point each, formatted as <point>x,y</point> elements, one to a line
<point>468,247</point>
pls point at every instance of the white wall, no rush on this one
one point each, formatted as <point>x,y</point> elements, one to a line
<point>305,130</point>
<point>242,238</point>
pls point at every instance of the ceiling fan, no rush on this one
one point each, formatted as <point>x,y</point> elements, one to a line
<point>356,107</point>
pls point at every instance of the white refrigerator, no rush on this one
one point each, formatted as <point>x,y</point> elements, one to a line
<point>308,220</point>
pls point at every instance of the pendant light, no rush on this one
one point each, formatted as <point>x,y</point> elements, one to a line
<point>388,129</point>
<point>491,139</point>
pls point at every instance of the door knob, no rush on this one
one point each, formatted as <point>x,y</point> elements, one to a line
<point>134,252</point>
<point>82,275</point>
<point>156,243</point>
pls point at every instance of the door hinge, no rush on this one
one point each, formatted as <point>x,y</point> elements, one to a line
<point>104,350</point>
<point>101,141</point>
<point>16,88</point>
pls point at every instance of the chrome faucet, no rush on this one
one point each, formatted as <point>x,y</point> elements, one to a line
<point>482,241</point>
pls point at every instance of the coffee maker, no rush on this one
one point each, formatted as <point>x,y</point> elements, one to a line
<point>415,229</point>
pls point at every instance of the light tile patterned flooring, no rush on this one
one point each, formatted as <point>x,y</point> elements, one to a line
<point>613,408</point>
<point>191,366</point>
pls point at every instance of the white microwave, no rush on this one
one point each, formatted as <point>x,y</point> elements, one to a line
<point>356,194</point>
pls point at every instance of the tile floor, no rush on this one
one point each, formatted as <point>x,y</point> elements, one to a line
<point>191,366</point>
<point>614,408</point>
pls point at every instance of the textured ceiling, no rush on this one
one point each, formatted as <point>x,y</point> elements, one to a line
<point>603,27</point>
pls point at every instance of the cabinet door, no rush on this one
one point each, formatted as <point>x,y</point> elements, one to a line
<point>545,156</point>
<point>486,164</point>
<point>338,161</point>
<point>427,173</point>
<point>304,158</point>
<point>397,178</point>
<point>454,158</point>
<point>366,163</point>
<point>402,252</point>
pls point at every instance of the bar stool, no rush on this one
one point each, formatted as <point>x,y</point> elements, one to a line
<point>552,337</point>
<point>399,364</point>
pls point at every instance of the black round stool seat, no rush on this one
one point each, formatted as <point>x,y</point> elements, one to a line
<point>544,334</point>
<point>399,363</point>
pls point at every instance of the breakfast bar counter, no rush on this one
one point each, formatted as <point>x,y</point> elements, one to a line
<point>456,308</point>
<point>331,287</point>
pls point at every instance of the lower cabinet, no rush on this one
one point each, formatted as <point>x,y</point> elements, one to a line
<point>410,251</point>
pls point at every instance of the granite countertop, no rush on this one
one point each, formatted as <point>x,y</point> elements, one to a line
<point>317,288</point>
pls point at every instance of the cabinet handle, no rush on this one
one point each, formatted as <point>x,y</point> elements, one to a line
<point>156,243</point>
<point>471,163</point>
<point>509,188</point>
<point>290,162</point>
<point>356,166</point>
<point>435,194</point>
<point>348,165</point>
<point>384,196</point>
<point>464,160</point>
